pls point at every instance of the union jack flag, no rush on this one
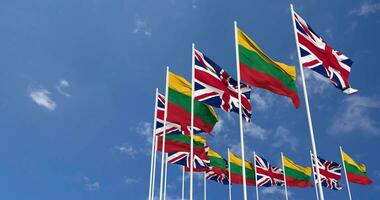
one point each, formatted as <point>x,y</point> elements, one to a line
<point>330,173</point>
<point>171,128</point>
<point>267,175</point>
<point>201,161</point>
<point>218,177</point>
<point>317,55</point>
<point>215,87</point>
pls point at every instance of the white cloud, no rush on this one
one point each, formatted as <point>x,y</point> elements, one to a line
<point>315,82</point>
<point>283,137</point>
<point>91,185</point>
<point>127,149</point>
<point>274,191</point>
<point>255,131</point>
<point>366,8</point>
<point>355,115</point>
<point>41,97</point>
<point>129,180</point>
<point>141,27</point>
<point>62,84</point>
<point>218,128</point>
<point>145,129</point>
<point>194,4</point>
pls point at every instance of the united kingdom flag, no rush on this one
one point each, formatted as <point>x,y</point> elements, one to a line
<point>220,177</point>
<point>201,160</point>
<point>330,173</point>
<point>317,55</point>
<point>215,87</point>
<point>267,175</point>
<point>171,128</point>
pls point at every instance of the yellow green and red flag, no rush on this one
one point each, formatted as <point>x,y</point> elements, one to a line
<point>296,175</point>
<point>237,171</point>
<point>356,173</point>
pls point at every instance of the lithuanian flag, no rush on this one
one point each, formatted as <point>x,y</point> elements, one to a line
<point>176,143</point>
<point>217,162</point>
<point>179,107</point>
<point>259,70</point>
<point>296,175</point>
<point>356,173</point>
<point>237,171</point>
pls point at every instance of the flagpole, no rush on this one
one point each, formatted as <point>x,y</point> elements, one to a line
<point>152,159</point>
<point>166,174</point>
<point>229,176</point>
<point>154,167</point>
<point>164,134</point>
<point>315,182</point>
<point>254,164</point>
<point>192,122</point>
<point>283,168</point>
<point>240,113</point>
<point>204,186</point>
<point>314,148</point>
<point>183,183</point>
<point>345,173</point>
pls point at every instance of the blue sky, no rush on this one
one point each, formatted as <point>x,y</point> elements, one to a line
<point>77,88</point>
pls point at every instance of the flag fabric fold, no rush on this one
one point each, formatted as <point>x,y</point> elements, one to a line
<point>218,168</point>
<point>296,175</point>
<point>259,70</point>
<point>356,173</point>
<point>215,87</point>
<point>318,56</point>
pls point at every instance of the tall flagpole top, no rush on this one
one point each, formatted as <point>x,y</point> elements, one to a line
<point>291,6</point>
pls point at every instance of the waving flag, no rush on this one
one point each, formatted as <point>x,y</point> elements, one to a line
<point>221,178</point>
<point>267,175</point>
<point>296,175</point>
<point>330,173</point>
<point>201,161</point>
<point>237,171</point>
<point>218,168</point>
<point>215,87</point>
<point>259,70</point>
<point>356,173</point>
<point>317,55</point>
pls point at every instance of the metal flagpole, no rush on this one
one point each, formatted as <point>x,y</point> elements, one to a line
<point>154,165</point>
<point>229,176</point>
<point>183,183</point>
<point>166,174</point>
<point>315,181</point>
<point>192,123</point>
<point>283,168</point>
<point>314,148</point>
<point>204,187</point>
<point>257,187</point>
<point>164,134</point>
<point>152,159</point>
<point>240,113</point>
<point>345,173</point>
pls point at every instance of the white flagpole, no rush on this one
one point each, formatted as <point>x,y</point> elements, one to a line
<point>166,174</point>
<point>315,181</point>
<point>164,134</point>
<point>229,176</point>
<point>257,187</point>
<point>154,164</point>
<point>283,168</point>
<point>204,186</point>
<point>345,173</point>
<point>152,159</point>
<point>314,148</point>
<point>192,122</point>
<point>240,113</point>
<point>183,183</point>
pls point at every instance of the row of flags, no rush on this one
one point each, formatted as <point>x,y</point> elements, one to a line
<point>215,88</point>
<point>260,172</point>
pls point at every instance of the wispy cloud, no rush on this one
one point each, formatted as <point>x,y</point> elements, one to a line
<point>142,28</point>
<point>366,8</point>
<point>261,100</point>
<point>275,191</point>
<point>194,4</point>
<point>127,149</point>
<point>62,85</point>
<point>355,115</point>
<point>91,185</point>
<point>130,180</point>
<point>145,129</point>
<point>316,83</point>
<point>283,137</point>
<point>41,97</point>
<point>255,131</point>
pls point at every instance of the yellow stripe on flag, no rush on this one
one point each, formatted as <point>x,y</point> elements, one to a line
<point>249,44</point>
<point>199,139</point>
<point>290,164</point>
<point>212,153</point>
<point>350,161</point>
<point>236,160</point>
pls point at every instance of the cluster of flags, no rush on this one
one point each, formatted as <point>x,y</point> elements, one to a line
<point>187,110</point>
